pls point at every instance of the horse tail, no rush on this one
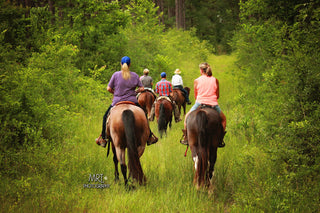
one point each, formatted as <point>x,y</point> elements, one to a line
<point>202,122</point>
<point>135,169</point>
<point>162,124</point>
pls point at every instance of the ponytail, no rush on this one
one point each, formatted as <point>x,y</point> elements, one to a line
<point>205,67</point>
<point>125,71</point>
<point>209,71</point>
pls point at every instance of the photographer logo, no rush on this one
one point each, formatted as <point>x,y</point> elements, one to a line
<point>96,181</point>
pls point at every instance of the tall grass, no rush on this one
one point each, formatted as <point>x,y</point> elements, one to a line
<point>55,176</point>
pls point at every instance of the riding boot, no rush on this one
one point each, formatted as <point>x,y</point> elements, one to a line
<point>221,142</point>
<point>188,100</point>
<point>152,139</point>
<point>101,142</point>
<point>176,112</point>
<point>184,141</point>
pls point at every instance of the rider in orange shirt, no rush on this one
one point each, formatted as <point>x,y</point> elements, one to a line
<point>206,91</point>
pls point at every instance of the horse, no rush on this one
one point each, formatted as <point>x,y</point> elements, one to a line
<point>128,128</point>
<point>180,99</point>
<point>204,130</point>
<point>146,99</point>
<point>163,112</point>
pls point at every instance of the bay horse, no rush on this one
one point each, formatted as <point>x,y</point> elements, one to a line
<point>204,130</point>
<point>146,99</point>
<point>128,128</point>
<point>180,99</point>
<point>163,112</point>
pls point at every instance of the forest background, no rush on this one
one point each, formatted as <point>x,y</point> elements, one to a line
<point>55,61</point>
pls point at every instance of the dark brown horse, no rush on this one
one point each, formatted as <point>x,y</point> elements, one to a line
<point>128,128</point>
<point>146,99</point>
<point>163,112</point>
<point>180,99</point>
<point>204,132</point>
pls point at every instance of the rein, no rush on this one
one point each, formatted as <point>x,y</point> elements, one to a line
<point>185,154</point>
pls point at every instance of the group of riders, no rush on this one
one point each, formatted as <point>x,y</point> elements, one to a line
<point>125,84</point>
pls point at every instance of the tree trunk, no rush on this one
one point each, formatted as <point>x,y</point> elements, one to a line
<point>180,14</point>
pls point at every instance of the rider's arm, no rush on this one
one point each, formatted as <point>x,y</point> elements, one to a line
<point>195,84</point>
<point>140,89</point>
<point>110,89</point>
<point>217,92</point>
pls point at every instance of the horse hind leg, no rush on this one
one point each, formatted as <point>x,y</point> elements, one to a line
<point>121,159</point>
<point>124,173</point>
<point>115,161</point>
<point>212,161</point>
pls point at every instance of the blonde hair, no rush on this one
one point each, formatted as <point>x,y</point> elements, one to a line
<point>125,71</point>
<point>145,71</point>
<point>205,67</point>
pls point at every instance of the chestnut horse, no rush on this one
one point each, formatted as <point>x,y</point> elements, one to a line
<point>146,99</point>
<point>128,128</point>
<point>204,130</point>
<point>180,99</point>
<point>163,112</point>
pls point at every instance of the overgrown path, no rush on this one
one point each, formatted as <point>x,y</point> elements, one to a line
<point>59,182</point>
<point>169,173</point>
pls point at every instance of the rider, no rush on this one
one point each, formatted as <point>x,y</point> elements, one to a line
<point>206,91</point>
<point>147,81</point>
<point>178,83</point>
<point>164,88</point>
<point>122,85</point>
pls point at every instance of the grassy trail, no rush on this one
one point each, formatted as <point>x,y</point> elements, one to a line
<point>59,186</point>
<point>169,173</point>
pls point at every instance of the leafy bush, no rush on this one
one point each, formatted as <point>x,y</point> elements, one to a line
<point>279,60</point>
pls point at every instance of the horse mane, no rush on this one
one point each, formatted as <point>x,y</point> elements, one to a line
<point>134,165</point>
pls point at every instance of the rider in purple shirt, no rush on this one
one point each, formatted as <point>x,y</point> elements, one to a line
<point>123,85</point>
<point>124,90</point>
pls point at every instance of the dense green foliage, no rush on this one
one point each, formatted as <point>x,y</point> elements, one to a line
<point>279,59</point>
<point>54,66</point>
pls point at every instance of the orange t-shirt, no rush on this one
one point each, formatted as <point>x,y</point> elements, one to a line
<point>205,90</point>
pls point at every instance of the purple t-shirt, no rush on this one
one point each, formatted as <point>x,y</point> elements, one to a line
<point>124,90</point>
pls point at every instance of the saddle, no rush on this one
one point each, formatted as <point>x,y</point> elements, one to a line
<point>125,102</point>
<point>146,90</point>
<point>183,92</point>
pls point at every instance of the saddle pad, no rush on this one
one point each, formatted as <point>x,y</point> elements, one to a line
<point>163,97</point>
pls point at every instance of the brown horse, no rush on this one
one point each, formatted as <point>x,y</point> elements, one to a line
<point>163,112</point>
<point>204,132</point>
<point>180,99</point>
<point>146,99</point>
<point>128,128</point>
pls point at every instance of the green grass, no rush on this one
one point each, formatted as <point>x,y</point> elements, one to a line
<point>54,177</point>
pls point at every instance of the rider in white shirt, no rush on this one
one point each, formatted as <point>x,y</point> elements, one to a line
<point>177,82</point>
